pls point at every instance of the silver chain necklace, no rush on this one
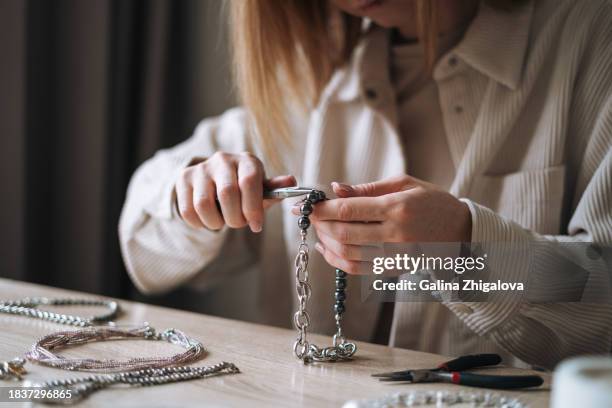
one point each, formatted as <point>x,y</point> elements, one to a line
<point>80,388</point>
<point>439,399</point>
<point>340,349</point>
<point>29,307</point>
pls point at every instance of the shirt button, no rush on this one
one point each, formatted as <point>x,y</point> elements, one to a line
<point>370,93</point>
<point>458,109</point>
<point>463,309</point>
<point>453,61</point>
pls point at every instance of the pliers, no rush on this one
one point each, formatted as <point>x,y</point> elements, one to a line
<point>453,372</point>
<point>287,192</point>
<point>280,193</point>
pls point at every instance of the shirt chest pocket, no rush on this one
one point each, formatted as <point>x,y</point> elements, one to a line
<point>533,199</point>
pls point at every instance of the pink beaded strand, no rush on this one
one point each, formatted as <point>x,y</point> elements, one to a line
<point>42,351</point>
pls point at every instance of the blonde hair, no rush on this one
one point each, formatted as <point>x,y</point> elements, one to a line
<point>285,51</point>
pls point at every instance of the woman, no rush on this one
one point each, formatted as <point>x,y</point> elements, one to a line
<point>444,121</point>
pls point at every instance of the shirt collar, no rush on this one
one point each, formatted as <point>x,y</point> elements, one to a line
<point>369,67</point>
<point>496,42</point>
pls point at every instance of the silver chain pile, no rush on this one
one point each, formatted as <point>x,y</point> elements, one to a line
<point>157,373</point>
<point>81,388</point>
<point>439,399</point>
<point>305,351</point>
<point>42,351</point>
<point>28,307</point>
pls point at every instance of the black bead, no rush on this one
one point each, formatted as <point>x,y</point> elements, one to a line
<point>303,222</point>
<point>339,308</point>
<point>340,283</point>
<point>340,273</point>
<point>306,208</point>
<point>313,196</point>
<point>320,195</point>
<point>340,296</point>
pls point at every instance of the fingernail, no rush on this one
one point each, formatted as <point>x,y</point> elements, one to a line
<point>319,247</point>
<point>342,187</point>
<point>295,210</point>
<point>255,226</point>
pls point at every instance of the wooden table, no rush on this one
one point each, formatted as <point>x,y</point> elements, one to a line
<point>271,376</point>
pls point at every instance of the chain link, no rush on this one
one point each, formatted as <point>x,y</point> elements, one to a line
<point>301,318</point>
<point>303,350</point>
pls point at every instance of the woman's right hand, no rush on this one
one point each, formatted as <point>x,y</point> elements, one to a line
<point>237,180</point>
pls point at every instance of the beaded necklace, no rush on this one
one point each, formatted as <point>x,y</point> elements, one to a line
<point>340,349</point>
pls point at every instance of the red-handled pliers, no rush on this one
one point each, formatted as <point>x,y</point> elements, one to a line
<point>452,372</point>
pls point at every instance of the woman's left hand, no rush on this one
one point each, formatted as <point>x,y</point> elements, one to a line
<point>398,209</point>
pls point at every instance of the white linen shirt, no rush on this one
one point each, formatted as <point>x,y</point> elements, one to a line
<point>526,98</point>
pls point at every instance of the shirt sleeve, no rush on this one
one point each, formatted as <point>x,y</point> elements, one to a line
<point>543,333</point>
<point>160,251</point>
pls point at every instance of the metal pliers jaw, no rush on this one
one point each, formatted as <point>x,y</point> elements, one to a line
<point>287,192</point>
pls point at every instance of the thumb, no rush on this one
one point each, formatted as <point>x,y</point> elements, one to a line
<point>280,181</point>
<point>277,182</point>
<point>377,188</point>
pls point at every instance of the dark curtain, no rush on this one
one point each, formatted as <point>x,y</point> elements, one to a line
<point>90,89</point>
